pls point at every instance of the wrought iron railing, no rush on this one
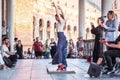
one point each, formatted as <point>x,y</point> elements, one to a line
<point>88,47</point>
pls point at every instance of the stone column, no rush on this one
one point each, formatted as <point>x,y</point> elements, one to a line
<point>4,10</point>
<point>106,5</point>
<point>10,21</point>
<point>0,22</point>
<point>81,27</point>
<point>52,29</point>
<point>45,29</point>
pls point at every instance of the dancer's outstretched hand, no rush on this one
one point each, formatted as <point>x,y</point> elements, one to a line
<point>53,4</point>
<point>59,7</point>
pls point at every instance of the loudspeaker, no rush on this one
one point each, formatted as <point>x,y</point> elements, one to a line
<point>94,70</point>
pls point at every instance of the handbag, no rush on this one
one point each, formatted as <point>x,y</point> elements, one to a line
<point>7,61</point>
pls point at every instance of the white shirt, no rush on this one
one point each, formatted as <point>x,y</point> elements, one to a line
<point>60,25</point>
<point>4,49</point>
<point>14,46</point>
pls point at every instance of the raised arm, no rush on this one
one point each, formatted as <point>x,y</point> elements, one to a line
<point>61,16</point>
<point>53,4</point>
<point>61,11</point>
<point>113,27</point>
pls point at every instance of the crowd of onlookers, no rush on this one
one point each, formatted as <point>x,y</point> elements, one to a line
<point>39,50</point>
<point>48,49</point>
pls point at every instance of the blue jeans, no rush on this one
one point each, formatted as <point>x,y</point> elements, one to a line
<point>60,56</point>
<point>46,55</point>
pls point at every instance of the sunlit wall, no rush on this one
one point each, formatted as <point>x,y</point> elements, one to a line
<point>92,12</point>
<point>28,13</point>
<point>23,21</point>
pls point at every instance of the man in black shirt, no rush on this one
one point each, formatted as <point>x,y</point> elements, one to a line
<point>112,53</point>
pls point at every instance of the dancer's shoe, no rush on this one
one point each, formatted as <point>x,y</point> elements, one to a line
<point>64,68</point>
<point>60,67</point>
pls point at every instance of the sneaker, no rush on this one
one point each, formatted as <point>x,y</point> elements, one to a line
<point>64,68</point>
<point>6,68</point>
<point>108,72</point>
<point>60,67</point>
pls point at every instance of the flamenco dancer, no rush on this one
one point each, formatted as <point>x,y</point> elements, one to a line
<point>60,56</point>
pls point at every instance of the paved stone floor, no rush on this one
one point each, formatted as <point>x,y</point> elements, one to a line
<point>32,69</point>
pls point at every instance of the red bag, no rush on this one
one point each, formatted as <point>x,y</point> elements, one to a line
<point>88,58</point>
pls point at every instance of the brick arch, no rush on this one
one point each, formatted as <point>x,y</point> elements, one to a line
<point>87,30</point>
<point>75,28</point>
<point>48,29</point>
<point>54,25</point>
<point>55,31</point>
<point>40,22</point>
<point>34,20</point>
<point>48,24</point>
<point>68,27</point>
<point>34,23</point>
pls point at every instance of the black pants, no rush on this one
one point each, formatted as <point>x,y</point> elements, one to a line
<point>52,52</point>
<point>109,55</point>
<point>13,58</point>
<point>108,48</point>
<point>20,56</point>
